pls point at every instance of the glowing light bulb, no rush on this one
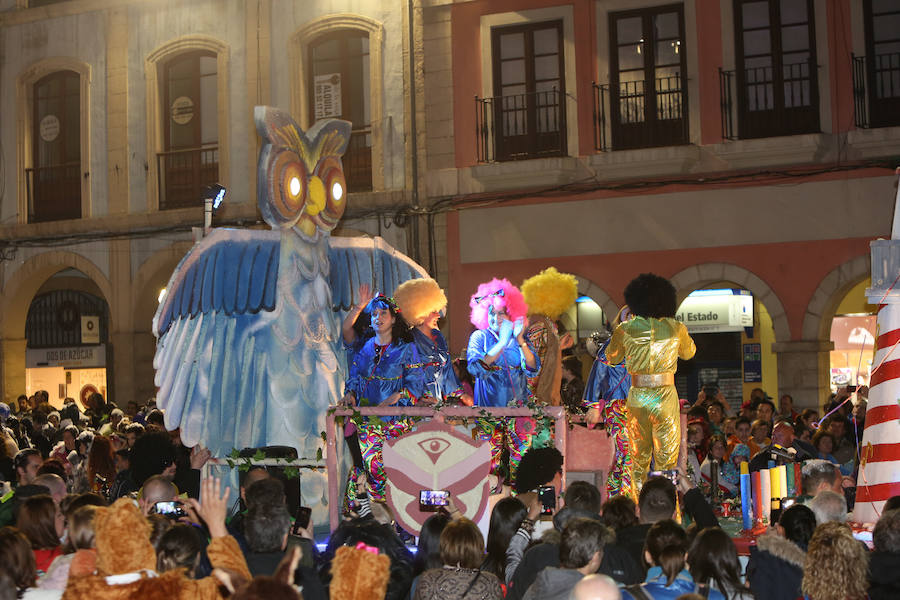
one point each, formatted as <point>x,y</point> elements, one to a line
<point>337,190</point>
<point>295,186</point>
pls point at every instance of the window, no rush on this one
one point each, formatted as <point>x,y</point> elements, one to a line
<point>190,158</point>
<point>339,67</point>
<point>882,61</point>
<point>648,96</point>
<point>54,180</point>
<point>527,116</point>
<point>777,82</point>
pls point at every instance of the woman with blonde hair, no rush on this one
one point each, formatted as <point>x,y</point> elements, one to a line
<point>836,565</point>
<point>422,303</point>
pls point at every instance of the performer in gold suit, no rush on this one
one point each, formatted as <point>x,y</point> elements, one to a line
<point>651,342</point>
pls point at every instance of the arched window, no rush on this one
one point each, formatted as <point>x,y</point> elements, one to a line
<point>54,180</point>
<point>190,158</point>
<point>339,88</point>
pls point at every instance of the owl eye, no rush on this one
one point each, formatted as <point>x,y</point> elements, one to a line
<point>332,175</point>
<point>289,180</point>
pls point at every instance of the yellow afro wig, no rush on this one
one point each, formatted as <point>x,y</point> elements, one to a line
<point>417,298</point>
<point>550,293</point>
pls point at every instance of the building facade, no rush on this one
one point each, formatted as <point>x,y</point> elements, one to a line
<point>118,115</point>
<point>739,144</point>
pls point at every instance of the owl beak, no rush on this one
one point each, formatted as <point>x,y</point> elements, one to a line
<point>316,202</point>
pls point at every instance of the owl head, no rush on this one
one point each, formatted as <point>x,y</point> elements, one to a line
<point>301,178</point>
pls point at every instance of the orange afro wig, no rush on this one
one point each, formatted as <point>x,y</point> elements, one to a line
<point>499,294</point>
<point>417,298</point>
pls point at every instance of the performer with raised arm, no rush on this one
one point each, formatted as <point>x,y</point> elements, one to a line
<point>650,343</point>
<point>381,374</point>
<point>422,303</point>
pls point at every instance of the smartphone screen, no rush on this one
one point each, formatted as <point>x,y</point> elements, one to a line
<point>170,508</point>
<point>434,497</point>
<point>547,495</point>
<point>302,522</point>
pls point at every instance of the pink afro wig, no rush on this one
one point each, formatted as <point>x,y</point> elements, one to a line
<point>499,293</point>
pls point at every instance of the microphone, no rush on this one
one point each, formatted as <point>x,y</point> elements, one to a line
<point>782,452</point>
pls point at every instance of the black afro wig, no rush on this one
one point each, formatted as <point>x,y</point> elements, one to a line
<point>538,467</point>
<point>649,295</point>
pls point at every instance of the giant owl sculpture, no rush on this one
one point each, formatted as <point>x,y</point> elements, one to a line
<point>249,351</point>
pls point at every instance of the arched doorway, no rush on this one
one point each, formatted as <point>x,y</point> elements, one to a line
<point>66,338</point>
<point>853,330</point>
<point>734,333</point>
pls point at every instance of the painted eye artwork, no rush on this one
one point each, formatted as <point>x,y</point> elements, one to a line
<point>435,456</point>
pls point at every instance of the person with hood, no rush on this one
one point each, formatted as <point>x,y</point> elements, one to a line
<point>580,552</point>
<point>775,569</point>
<point>884,562</point>
<point>126,560</point>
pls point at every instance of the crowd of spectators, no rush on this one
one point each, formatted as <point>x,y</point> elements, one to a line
<point>68,470</point>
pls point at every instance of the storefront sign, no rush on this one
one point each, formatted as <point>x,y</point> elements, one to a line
<point>714,311</point>
<point>90,329</point>
<point>78,357</point>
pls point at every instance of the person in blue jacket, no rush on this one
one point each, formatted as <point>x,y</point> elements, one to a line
<point>422,303</point>
<point>382,374</point>
<point>499,357</point>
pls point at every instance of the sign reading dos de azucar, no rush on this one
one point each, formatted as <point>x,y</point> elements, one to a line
<point>75,357</point>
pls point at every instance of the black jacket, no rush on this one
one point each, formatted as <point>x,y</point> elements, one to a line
<point>775,569</point>
<point>884,576</point>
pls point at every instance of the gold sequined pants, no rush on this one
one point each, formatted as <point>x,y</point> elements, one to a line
<point>654,430</point>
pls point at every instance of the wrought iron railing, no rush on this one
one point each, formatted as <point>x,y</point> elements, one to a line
<point>876,90</point>
<point>521,126</point>
<point>183,176</point>
<point>726,103</point>
<point>54,192</point>
<point>638,118</point>
<point>357,161</point>
<point>763,105</point>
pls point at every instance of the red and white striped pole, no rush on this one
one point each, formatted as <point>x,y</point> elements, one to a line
<point>879,470</point>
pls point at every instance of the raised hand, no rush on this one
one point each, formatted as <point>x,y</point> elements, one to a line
<point>518,327</point>
<point>506,331</point>
<point>365,295</point>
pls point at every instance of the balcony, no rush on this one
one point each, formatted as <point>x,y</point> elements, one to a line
<point>54,192</point>
<point>876,90</point>
<point>521,126</point>
<point>769,102</point>
<point>634,118</point>
<point>183,176</point>
<point>357,161</point>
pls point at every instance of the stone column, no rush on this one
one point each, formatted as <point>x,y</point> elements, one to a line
<point>12,352</point>
<point>804,367</point>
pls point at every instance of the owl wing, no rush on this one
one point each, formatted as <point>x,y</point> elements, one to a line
<point>372,261</point>
<point>217,300</point>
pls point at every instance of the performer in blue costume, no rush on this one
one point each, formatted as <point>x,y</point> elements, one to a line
<point>501,360</point>
<point>605,393</point>
<point>381,375</point>
<point>422,303</point>
<point>499,357</point>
